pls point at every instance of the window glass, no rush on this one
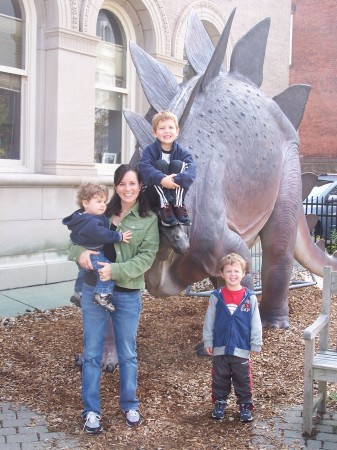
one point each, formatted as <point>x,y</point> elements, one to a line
<point>110,78</point>
<point>108,125</point>
<point>109,28</point>
<point>11,8</point>
<point>111,57</point>
<point>110,71</point>
<point>10,105</point>
<point>11,34</point>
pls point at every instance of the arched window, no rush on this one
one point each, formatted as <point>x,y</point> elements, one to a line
<point>110,88</point>
<point>12,66</point>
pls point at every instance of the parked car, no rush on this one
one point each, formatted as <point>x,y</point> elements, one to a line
<point>322,201</point>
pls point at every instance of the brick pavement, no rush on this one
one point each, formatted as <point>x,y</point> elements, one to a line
<point>285,432</point>
<point>22,429</point>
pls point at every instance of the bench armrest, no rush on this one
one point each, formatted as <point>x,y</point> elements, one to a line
<point>312,330</point>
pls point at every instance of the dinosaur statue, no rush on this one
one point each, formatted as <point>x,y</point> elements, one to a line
<point>248,184</point>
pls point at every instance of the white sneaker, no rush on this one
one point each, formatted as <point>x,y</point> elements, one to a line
<point>92,424</point>
<point>132,418</point>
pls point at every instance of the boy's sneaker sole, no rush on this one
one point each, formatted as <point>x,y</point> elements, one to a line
<point>181,215</point>
<point>217,417</point>
<point>104,302</point>
<point>76,299</point>
<point>246,420</point>
<point>166,216</point>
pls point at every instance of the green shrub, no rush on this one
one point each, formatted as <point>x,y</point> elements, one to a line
<point>333,239</point>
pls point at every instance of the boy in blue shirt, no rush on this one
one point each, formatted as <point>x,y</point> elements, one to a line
<point>232,330</point>
<point>90,228</point>
<point>167,171</point>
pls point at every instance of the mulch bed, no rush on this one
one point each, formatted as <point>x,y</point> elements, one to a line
<point>38,370</point>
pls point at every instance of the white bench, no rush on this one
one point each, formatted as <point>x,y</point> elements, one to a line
<point>321,365</point>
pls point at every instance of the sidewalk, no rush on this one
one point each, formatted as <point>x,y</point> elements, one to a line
<point>28,299</point>
<point>22,429</point>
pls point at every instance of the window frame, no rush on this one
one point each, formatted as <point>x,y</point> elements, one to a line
<point>28,95</point>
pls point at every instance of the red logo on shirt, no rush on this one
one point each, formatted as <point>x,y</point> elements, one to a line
<point>245,307</point>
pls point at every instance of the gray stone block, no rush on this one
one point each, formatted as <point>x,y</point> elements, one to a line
<point>22,438</point>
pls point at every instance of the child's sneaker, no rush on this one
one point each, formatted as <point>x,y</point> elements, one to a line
<point>181,215</point>
<point>219,409</point>
<point>76,299</point>
<point>92,424</point>
<point>167,217</point>
<point>245,412</point>
<point>133,418</point>
<point>104,301</point>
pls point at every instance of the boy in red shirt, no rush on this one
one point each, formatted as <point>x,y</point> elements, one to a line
<point>232,329</point>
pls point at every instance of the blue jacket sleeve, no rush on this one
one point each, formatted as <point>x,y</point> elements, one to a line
<point>96,230</point>
<point>149,174</point>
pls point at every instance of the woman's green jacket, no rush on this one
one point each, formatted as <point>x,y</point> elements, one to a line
<point>136,257</point>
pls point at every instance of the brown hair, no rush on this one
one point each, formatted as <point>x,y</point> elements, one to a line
<point>89,190</point>
<point>231,259</point>
<point>164,115</point>
<point>114,205</point>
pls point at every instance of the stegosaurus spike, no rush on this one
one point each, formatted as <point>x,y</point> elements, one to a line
<point>140,128</point>
<point>321,245</point>
<point>312,220</point>
<point>189,102</point>
<point>198,45</point>
<point>158,83</point>
<point>309,180</point>
<point>292,102</point>
<point>248,54</point>
<point>218,56</point>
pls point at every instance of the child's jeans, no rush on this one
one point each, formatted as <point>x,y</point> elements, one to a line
<point>102,287</point>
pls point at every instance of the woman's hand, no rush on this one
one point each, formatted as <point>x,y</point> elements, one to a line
<point>105,272</point>
<point>84,259</point>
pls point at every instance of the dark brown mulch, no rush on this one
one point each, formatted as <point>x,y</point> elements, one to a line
<point>37,369</point>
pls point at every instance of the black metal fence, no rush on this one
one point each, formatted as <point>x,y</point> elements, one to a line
<point>326,212</point>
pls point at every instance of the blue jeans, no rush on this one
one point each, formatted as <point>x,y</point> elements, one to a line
<point>80,279</point>
<point>125,320</point>
<point>102,287</point>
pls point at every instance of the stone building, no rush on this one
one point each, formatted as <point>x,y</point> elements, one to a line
<point>314,62</point>
<point>65,77</point>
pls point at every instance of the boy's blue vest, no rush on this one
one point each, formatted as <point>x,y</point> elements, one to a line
<point>232,330</point>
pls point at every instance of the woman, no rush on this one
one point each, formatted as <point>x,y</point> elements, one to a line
<point>127,210</point>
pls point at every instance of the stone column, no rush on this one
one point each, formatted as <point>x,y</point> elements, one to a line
<point>70,61</point>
